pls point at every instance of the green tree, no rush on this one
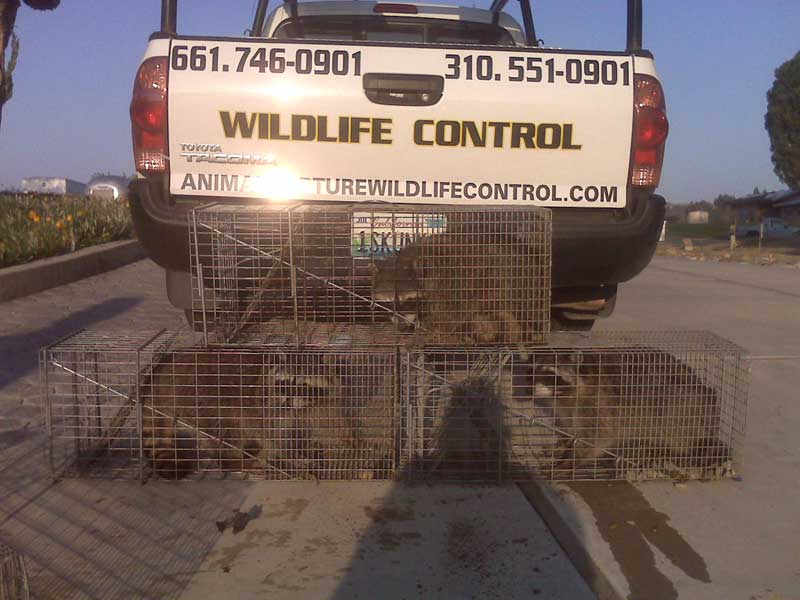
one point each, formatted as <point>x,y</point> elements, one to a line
<point>783,122</point>
<point>8,16</point>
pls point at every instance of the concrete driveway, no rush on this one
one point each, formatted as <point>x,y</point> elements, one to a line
<point>121,539</point>
<point>721,540</point>
<point>112,539</point>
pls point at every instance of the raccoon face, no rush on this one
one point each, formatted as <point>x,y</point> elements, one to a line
<point>301,391</point>
<point>395,279</point>
<point>553,381</point>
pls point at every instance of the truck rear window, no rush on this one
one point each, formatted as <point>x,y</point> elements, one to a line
<point>393,29</point>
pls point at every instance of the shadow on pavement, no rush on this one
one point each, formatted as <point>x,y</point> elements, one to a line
<point>108,539</point>
<point>19,353</point>
<point>457,541</point>
<point>632,528</point>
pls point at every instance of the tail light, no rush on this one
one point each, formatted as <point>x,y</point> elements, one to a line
<point>149,116</point>
<point>650,131</point>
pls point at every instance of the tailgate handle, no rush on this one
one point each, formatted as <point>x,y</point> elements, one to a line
<point>401,89</point>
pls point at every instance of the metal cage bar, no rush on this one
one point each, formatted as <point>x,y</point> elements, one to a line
<point>635,20</point>
<point>169,17</point>
<point>13,575</point>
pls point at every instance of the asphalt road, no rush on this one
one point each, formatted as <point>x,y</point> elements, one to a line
<point>727,539</point>
<point>109,539</point>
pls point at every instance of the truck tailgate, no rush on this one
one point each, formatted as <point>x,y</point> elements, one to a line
<point>281,119</point>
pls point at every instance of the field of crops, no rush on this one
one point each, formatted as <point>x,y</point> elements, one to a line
<point>37,226</point>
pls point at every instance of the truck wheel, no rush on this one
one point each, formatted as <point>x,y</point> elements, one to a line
<point>560,322</point>
<point>194,319</point>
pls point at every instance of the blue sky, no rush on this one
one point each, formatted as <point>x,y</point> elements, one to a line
<point>716,58</point>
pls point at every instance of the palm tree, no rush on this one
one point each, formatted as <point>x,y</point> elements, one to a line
<point>8,15</point>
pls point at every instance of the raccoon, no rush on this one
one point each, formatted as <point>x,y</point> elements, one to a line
<point>262,413</point>
<point>566,414</point>
<point>459,291</point>
<point>624,409</point>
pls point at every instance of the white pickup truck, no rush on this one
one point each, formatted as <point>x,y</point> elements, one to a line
<point>406,103</point>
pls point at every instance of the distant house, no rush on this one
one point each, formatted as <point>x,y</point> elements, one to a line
<point>51,185</point>
<point>110,187</point>
<point>693,213</point>
<point>751,209</point>
<point>696,217</point>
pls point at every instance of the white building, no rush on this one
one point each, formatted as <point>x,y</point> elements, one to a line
<point>51,185</point>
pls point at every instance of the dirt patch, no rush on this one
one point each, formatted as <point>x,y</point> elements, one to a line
<point>630,526</point>
<point>785,252</point>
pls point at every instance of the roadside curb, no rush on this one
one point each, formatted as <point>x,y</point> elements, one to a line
<point>545,500</point>
<point>46,273</point>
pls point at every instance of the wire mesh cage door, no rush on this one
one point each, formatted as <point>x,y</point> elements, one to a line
<point>272,414</point>
<point>92,414</point>
<point>13,575</point>
<point>440,275</point>
<point>453,425</point>
<point>601,407</point>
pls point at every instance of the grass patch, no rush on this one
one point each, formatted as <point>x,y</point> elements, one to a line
<point>36,226</point>
<point>699,230</point>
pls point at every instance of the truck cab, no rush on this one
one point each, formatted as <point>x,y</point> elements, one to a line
<point>406,103</point>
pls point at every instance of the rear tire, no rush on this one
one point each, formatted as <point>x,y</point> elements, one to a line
<point>559,322</point>
<point>195,321</point>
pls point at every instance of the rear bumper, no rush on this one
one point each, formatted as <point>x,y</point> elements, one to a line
<point>590,247</point>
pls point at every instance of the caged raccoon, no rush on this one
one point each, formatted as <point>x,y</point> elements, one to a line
<point>460,289</point>
<point>632,410</point>
<point>565,414</point>
<point>229,411</point>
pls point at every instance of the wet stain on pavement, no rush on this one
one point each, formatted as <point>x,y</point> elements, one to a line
<point>627,523</point>
<point>225,557</point>
<point>386,514</point>
<point>271,581</point>
<point>326,543</point>
<point>239,520</point>
<point>388,540</point>
<point>292,508</point>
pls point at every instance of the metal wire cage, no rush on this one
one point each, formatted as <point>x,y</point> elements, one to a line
<point>604,406</point>
<point>154,404</point>
<point>13,575</point>
<point>607,406</point>
<point>317,275</point>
